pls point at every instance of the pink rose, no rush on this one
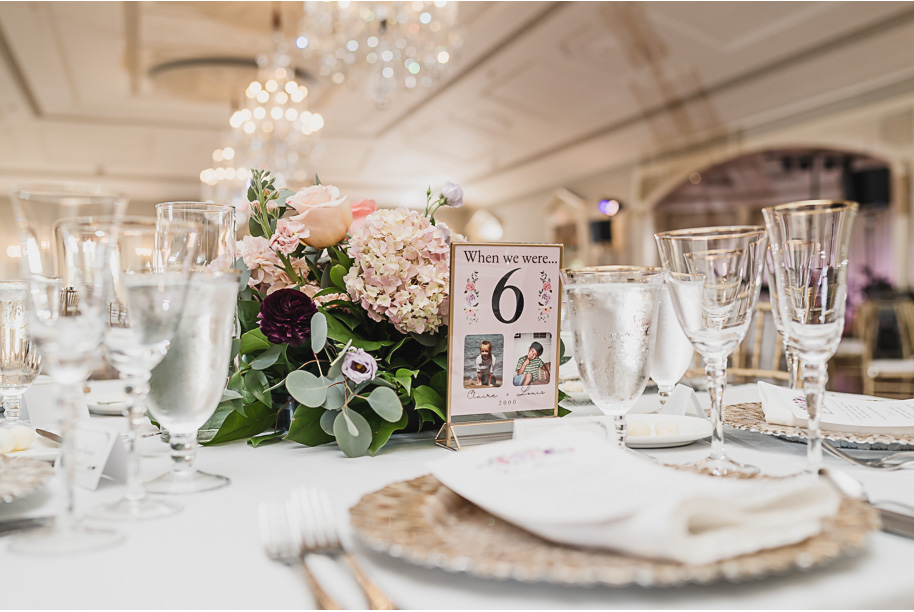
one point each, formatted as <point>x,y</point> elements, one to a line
<point>323,213</point>
<point>547,287</point>
<point>470,287</point>
<point>360,210</point>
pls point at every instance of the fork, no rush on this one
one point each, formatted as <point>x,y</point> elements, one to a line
<point>883,463</point>
<point>281,544</point>
<point>312,516</point>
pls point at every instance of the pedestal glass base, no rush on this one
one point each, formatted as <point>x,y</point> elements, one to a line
<point>136,509</point>
<point>722,467</point>
<point>189,482</point>
<point>56,541</point>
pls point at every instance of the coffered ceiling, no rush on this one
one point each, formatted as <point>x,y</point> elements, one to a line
<point>540,94</point>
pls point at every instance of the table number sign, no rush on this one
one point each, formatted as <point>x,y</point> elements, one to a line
<point>503,338</point>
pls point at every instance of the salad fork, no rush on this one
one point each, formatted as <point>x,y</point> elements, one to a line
<point>313,519</point>
<point>895,461</point>
<point>281,545</point>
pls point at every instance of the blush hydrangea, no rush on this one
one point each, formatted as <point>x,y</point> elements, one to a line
<point>400,270</point>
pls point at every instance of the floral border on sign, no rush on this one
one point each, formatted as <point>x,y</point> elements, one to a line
<point>471,298</point>
<point>545,297</point>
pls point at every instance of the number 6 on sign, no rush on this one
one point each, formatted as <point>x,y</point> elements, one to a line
<point>503,341</point>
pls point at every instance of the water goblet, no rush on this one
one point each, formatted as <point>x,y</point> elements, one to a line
<point>67,285</point>
<point>187,385</point>
<point>613,312</point>
<point>809,245</point>
<point>19,360</point>
<point>790,351</point>
<point>714,275</point>
<point>151,269</point>
<point>673,352</point>
<point>216,230</point>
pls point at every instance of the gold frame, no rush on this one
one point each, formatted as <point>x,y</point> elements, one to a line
<point>447,436</point>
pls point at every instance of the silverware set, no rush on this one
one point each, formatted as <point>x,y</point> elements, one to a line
<point>894,461</point>
<point>304,526</point>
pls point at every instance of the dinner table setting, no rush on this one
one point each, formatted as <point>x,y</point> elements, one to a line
<point>198,418</point>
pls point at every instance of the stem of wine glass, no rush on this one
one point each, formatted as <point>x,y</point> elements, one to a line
<point>68,404</point>
<point>183,454</point>
<point>135,413</point>
<point>716,370</point>
<point>663,393</point>
<point>815,375</point>
<point>793,365</point>
<point>12,405</point>
<point>619,422</point>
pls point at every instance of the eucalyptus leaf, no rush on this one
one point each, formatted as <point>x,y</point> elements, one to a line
<point>306,388</point>
<point>318,332</point>
<point>243,280</point>
<point>268,357</point>
<point>327,420</point>
<point>353,433</point>
<point>386,404</point>
<point>336,397</point>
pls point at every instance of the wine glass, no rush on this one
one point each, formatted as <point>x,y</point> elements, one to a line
<point>809,244</point>
<point>613,312</point>
<point>673,352</point>
<point>67,284</point>
<point>19,360</point>
<point>151,271</point>
<point>714,275</point>
<point>790,352</point>
<point>186,386</point>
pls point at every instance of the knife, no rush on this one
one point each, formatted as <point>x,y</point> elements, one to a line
<point>12,526</point>
<point>897,523</point>
<point>50,436</point>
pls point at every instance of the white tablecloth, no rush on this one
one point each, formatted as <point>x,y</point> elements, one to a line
<point>210,556</point>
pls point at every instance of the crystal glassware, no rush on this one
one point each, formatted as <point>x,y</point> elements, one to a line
<point>67,285</point>
<point>187,385</point>
<point>790,351</point>
<point>19,360</point>
<point>714,275</point>
<point>613,312</point>
<point>673,352</point>
<point>216,229</point>
<point>150,272</point>
<point>809,246</point>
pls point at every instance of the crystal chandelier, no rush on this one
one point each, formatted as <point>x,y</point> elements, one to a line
<point>391,45</point>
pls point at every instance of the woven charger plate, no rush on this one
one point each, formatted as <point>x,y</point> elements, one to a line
<point>423,522</point>
<point>749,417</point>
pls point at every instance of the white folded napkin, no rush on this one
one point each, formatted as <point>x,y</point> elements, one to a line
<point>842,412</point>
<point>574,488</point>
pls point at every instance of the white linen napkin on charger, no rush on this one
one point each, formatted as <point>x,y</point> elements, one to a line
<point>574,488</point>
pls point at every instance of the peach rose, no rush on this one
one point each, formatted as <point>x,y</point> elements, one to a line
<point>360,210</point>
<point>323,212</point>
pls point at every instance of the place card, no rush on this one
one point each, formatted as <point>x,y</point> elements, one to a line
<point>99,451</point>
<point>503,336</point>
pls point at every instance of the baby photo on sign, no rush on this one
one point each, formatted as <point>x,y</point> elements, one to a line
<point>533,353</point>
<point>483,360</point>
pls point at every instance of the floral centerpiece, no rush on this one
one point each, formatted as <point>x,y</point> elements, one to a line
<point>343,319</point>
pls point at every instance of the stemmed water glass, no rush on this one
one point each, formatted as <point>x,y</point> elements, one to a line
<point>151,269</point>
<point>673,352</point>
<point>67,284</point>
<point>19,360</point>
<point>714,275</point>
<point>186,387</point>
<point>613,312</point>
<point>790,351</point>
<point>809,245</point>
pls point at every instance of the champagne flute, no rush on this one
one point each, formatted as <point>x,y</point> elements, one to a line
<point>809,245</point>
<point>67,284</point>
<point>613,312</point>
<point>151,269</point>
<point>187,385</point>
<point>790,352</point>
<point>714,275</point>
<point>673,352</point>
<point>19,360</point>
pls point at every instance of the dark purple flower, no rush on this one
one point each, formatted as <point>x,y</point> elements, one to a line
<point>285,316</point>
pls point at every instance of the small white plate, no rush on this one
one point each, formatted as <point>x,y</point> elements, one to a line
<point>41,450</point>
<point>575,391</point>
<point>106,397</point>
<point>691,429</point>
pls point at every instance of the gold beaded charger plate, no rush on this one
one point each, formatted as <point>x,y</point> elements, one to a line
<point>750,417</point>
<point>423,522</point>
<point>20,476</point>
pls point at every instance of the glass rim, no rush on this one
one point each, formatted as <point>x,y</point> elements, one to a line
<point>14,281</point>
<point>63,190</point>
<point>712,232</point>
<point>811,207</point>
<point>196,206</point>
<point>621,272</point>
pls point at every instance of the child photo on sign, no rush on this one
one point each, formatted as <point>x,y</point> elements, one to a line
<point>483,360</point>
<point>534,352</point>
